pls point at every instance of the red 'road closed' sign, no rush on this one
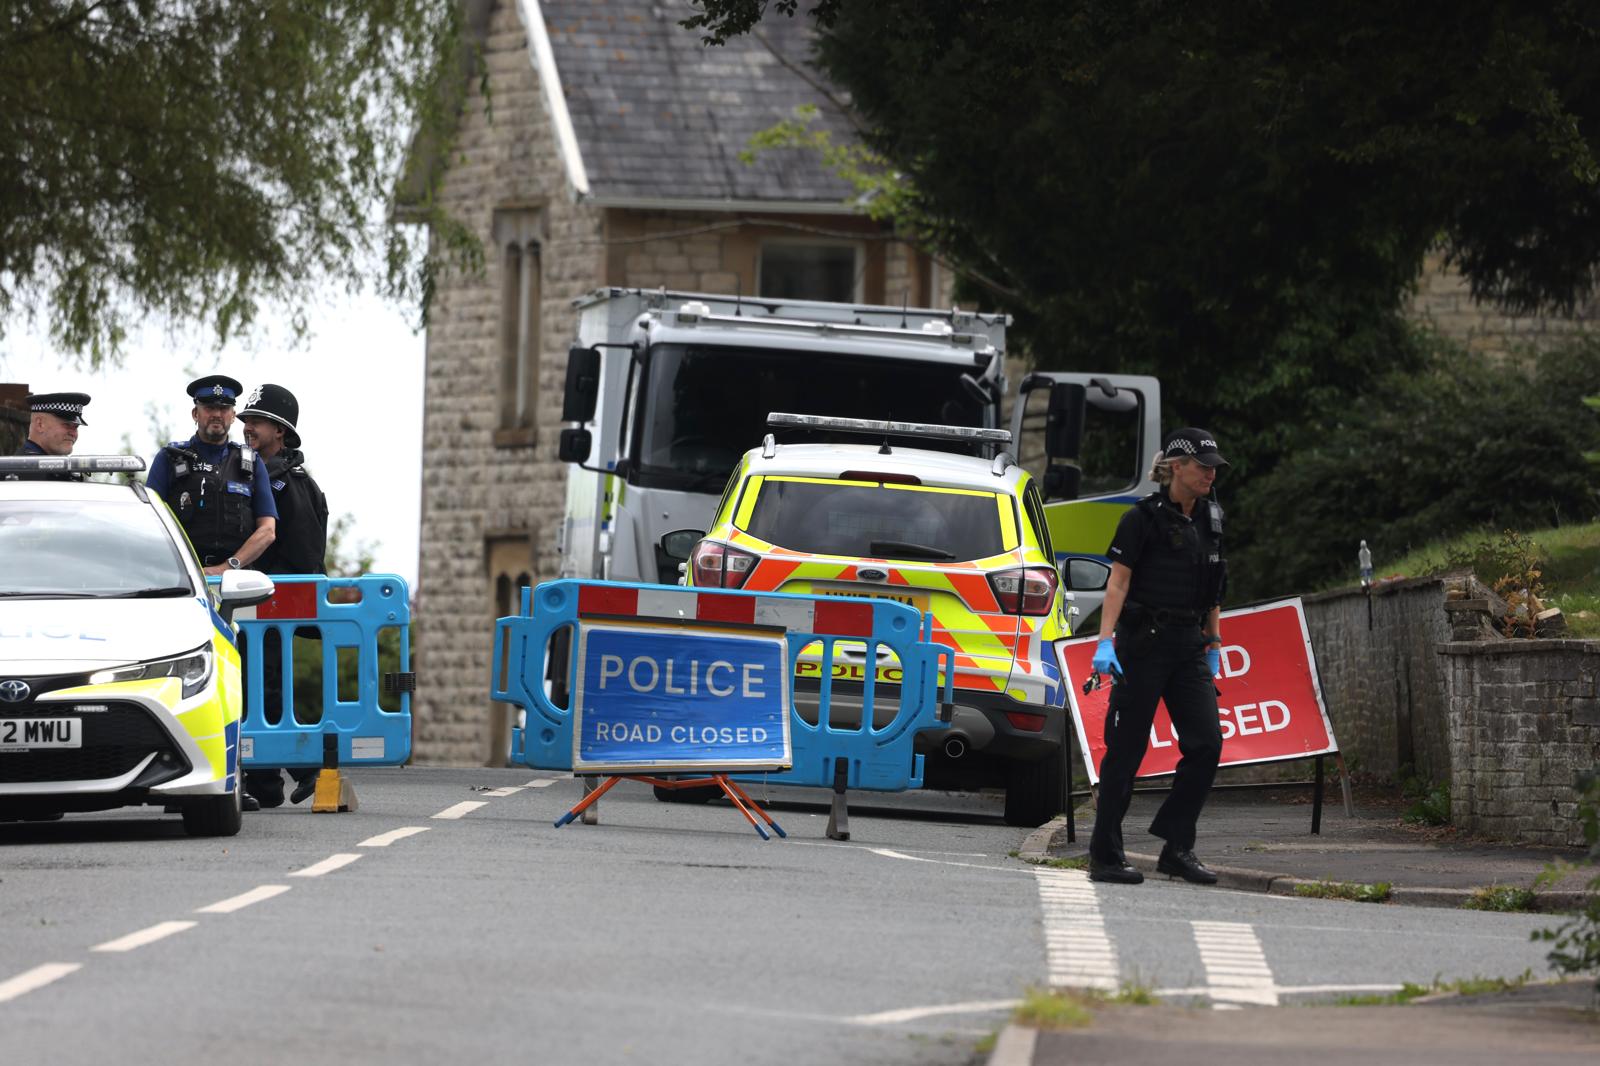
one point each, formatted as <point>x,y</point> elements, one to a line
<point>1270,706</point>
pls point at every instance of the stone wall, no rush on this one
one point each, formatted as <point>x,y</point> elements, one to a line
<point>477,493</point>
<point>1525,721</point>
<point>1381,678</point>
<point>1442,300</point>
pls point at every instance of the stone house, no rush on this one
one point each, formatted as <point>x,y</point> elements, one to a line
<point>608,154</point>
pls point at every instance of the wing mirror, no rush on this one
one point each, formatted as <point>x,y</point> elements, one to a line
<point>679,544</point>
<point>1085,575</point>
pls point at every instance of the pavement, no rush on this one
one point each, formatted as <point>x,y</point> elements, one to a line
<point>1261,840</point>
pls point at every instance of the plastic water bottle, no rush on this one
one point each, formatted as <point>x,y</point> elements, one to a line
<point>1364,556</point>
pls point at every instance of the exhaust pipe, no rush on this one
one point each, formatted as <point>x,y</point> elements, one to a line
<point>955,746</point>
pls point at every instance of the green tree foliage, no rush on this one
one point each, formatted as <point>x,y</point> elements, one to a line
<point>1466,441</point>
<point>196,158</point>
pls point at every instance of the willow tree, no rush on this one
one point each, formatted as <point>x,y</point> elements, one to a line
<point>199,159</point>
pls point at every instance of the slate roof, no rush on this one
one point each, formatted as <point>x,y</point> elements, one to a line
<point>660,116</point>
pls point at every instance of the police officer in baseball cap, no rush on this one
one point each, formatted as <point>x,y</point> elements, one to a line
<point>218,488</point>
<point>1160,639</point>
<point>53,421</point>
<point>270,414</point>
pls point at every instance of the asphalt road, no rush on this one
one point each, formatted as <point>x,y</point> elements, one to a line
<point>441,922</point>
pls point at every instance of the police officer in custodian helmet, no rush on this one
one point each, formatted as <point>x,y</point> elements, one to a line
<point>1160,639</point>
<point>219,489</point>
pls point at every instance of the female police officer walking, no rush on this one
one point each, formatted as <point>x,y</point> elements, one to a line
<point>1162,605</point>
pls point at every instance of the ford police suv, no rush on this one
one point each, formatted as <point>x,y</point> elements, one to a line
<point>961,538</point>
<point>119,668</point>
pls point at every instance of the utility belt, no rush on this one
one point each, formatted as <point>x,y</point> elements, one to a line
<point>1161,617</point>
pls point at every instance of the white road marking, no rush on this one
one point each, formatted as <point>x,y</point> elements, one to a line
<point>1236,970</point>
<point>888,854</point>
<point>912,1014</point>
<point>1283,990</point>
<point>328,865</point>
<point>509,790</point>
<point>159,931</point>
<point>541,782</point>
<point>37,977</point>
<point>243,900</point>
<point>461,809</point>
<point>383,840</point>
<point>1079,952</point>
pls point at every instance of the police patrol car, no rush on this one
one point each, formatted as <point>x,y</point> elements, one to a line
<point>119,668</point>
<point>959,537</point>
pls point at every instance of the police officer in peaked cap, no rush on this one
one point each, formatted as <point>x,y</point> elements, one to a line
<point>1160,639</point>
<point>269,416</point>
<point>53,421</point>
<point>218,488</point>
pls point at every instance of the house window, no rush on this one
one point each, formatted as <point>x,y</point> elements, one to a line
<point>811,270</point>
<point>521,283</point>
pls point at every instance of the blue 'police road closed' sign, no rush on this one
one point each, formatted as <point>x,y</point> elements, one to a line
<point>651,698</point>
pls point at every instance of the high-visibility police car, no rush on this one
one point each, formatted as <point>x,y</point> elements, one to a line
<point>119,670</point>
<point>959,537</point>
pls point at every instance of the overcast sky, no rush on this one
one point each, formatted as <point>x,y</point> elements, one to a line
<point>358,378</point>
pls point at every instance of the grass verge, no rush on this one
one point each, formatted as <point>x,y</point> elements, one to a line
<point>1074,1008</point>
<point>1351,890</point>
<point>1500,898</point>
<point>1466,986</point>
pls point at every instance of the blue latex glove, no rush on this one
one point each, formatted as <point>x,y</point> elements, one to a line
<point>1214,660</point>
<point>1105,659</point>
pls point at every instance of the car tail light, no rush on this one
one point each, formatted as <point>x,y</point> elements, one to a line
<point>1025,590</point>
<point>1033,723</point>
<point>718,566</point>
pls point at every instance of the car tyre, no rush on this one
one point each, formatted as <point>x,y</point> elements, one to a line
<point>215,816</point>
<point>1036,791</point>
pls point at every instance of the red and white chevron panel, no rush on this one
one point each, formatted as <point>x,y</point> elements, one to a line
<point>826,617</point>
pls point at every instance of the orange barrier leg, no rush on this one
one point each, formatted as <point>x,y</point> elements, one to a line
<point>752,804</point>
<point>733,797</point>
<point>584,804</point>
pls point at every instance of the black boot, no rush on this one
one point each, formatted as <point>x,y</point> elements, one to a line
<point>1120,872</point>
<point>1182,863</point>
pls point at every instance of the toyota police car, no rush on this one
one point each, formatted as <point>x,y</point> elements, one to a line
<point>959,537</point>
<point>119,667</point>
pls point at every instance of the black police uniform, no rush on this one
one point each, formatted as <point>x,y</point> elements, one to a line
<point>67,406</point>
<point>1178,576</point>
<point>299,548</point>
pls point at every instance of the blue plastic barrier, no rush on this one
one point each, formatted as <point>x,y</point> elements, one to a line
<point>365,733</point>
<point>826,754</point>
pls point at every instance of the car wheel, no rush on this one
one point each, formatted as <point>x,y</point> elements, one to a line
<point>1036,791</point>
<point>214,816</point>
<point>687,795</point>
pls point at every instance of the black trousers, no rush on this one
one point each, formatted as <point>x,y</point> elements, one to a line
<point>1158,663</point>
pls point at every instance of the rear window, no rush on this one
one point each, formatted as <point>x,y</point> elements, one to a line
<point>881,521</point>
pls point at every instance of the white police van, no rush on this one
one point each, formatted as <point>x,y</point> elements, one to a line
<point>119,666</point>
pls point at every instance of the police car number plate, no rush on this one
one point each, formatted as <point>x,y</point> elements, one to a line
<point>910,599</point>
<point>26,734</point>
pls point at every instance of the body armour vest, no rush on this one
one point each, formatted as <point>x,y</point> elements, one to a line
<point>1181,566</point>
<point>213,504</point>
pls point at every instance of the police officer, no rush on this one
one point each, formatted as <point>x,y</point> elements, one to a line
<point>1160,639</point>
<point>218,488</point>
<point>53,421</point>
<point>270,414</point>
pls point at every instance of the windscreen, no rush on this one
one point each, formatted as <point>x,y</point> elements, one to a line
<point>877,521</point>
<point>87,548</point>
<point>704,407</point>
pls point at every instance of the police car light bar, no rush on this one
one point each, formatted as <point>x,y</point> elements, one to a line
<point>61,464</point>
<point>879,428</point>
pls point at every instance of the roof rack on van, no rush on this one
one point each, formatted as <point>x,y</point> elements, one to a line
<point>61,464</point>
<point>879,428</point>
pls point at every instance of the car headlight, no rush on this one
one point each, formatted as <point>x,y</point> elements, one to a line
<point>194,670</point>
